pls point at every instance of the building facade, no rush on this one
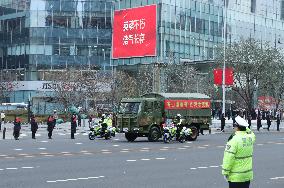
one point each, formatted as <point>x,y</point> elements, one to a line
<point>192,30</point>
<point>40,35</point>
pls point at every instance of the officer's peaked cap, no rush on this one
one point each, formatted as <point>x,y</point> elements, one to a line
<point>241,121</point>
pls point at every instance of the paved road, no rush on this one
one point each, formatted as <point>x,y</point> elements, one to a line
<point>62,162</point>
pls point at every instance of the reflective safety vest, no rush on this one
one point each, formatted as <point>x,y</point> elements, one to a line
<point>108,121</point>
<point>237,161</point>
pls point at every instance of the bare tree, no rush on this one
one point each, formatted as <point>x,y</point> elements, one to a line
<point>252,62</point>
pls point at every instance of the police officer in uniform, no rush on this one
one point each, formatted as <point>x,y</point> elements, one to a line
<point>237,161</point>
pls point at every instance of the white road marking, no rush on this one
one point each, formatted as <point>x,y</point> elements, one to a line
<point>143,150</point>
<point>61,134</point>
<point>65,152</point>
<point>220,146</point>
<point>189,142</point>
<point>43,153</point>
<point>187,146</point>
<point>83,178</point>
<point>29,156</point>
<point>106,152</point>
<point>213,166</point>
<point>193,168</point>
<point>27,167</point>
<point>10,157</point>
<point>84,151</point>
<point>260,144</point>
<point>124,151</point>
<point>115,145</point>
<point>130,160</point>
<point>270,142</point>
<point>181,148</point>
<point>164,149</point>
<point>72,179</point>
<point>44,141</point>
<point>85,134</point>
<point>205,145</point>
<point>18,149</point>
<point>201,167</point>
<point>42,148</point>
<point>161,158</point>
<point>145,159</point>
<point>1,169</point>
<point>11,168</point>
<point>116,139</point>
<point>88,153</point>
<point>78,143</point>
<point>279,143</point>
<point>200,147</point>
<point>276,178</point>
<point>3,155</point>
<point>49,155</point>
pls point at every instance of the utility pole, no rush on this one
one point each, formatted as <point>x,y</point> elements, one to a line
<point>224,65</point>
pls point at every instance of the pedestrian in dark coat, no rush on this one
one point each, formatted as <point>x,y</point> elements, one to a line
<point>50,126</point>
<point>17,128</point>
<point>34,126</point>
<point>249,121</point>
<point>268,122</point>
<point>79,120</point>
<point>73,125</point>
<point>223,119</point>
<point>278,122</point>
<point>258,123</point>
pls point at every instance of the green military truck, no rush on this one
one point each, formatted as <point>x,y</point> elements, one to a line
<point>144,116</point>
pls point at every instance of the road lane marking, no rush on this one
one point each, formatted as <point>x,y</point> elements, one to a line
<point>18,149</point>
<point>181,148</point>
<point>27,167</point>
<point>163,149</point>
<point>42,148</point>
<point>23,154</point>
<point>160,158</point>
<point>205,145</point>
<point>193,168</point>
<point>87,153</point>
<point>200,147</point>
<point>115,145</point>
<point>10,157</point>
<point>116,139</point>
<point>78,143</point>
<point>3,155</point>
<point>49,155</point>
<point>11,168</point>
<point>280,143</point>
<point>220,146</point>
<point>166,147</point>
<point>1,169</point>
<point>74,179</point>
<point>189,142</point>
<point>84,151</point>
<point>29,156</point>
<point>83,178</point>
<point>187,146</point>
<point>44,153</point>
<point>202,167</point>
<point>131,160</point>
<point>124,151</point>
<point>65,152</point>
<point>44,141</point>
<point>145,159</point>
<point>143,150</point>
<point>106,152</point>
<point>276,178</point>
<point>260,144</point>
<point>213,166</point>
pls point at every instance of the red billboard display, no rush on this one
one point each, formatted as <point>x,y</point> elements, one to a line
<point>134,32</point>
<point>229,76</point>
<point>186,104</point>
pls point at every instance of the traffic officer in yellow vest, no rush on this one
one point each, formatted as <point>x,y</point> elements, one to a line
<point>237,161</point>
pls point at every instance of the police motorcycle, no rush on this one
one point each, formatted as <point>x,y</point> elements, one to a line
<point>185,134</point>
<point>95,130</point>
<point>169,133</point>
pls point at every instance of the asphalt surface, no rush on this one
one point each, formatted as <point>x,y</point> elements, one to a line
<point>62,162</point>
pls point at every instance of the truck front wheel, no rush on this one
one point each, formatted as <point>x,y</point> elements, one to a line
<point>154,134</point>
<point>194,135</point>
<point>130,137</point>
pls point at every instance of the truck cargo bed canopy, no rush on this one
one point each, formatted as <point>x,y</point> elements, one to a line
<point>177,95</point>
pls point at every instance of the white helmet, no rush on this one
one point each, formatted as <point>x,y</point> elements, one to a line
<point>241,121</point>
<point>178,115</point>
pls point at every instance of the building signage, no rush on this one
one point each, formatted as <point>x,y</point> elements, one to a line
<point>134,32</point>
<point>186,104</point>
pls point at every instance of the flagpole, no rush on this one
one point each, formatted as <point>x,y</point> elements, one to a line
<point>224,65</point>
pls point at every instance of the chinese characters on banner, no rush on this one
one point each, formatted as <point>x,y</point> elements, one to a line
<point>266,102</point>
<point>229,76</point>
<point>186,104</point>
<point>134,32</point>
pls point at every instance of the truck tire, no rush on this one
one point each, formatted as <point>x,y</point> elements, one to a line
<point>130,137</point>
<point>154,134</point>
<point>194,135</point>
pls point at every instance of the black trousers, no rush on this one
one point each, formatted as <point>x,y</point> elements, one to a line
<point>72,135</point>
<point>33,134</point>
<point>239,184</point>
<point>16,134</point>
<point>49,134</point>
<point>277,126</point>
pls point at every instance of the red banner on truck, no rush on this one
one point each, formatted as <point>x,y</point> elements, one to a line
<point>187,104</point>
<point>134,32</point>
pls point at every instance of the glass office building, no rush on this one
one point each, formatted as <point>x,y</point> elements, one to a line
<point>191,30</point>
<point>54,34</point>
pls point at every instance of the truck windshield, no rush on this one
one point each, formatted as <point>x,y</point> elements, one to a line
<point>129,107</point>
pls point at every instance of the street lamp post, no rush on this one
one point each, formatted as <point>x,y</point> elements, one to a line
<point>224,64</point>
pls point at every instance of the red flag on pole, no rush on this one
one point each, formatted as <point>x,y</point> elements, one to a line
<point>218,76</point>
